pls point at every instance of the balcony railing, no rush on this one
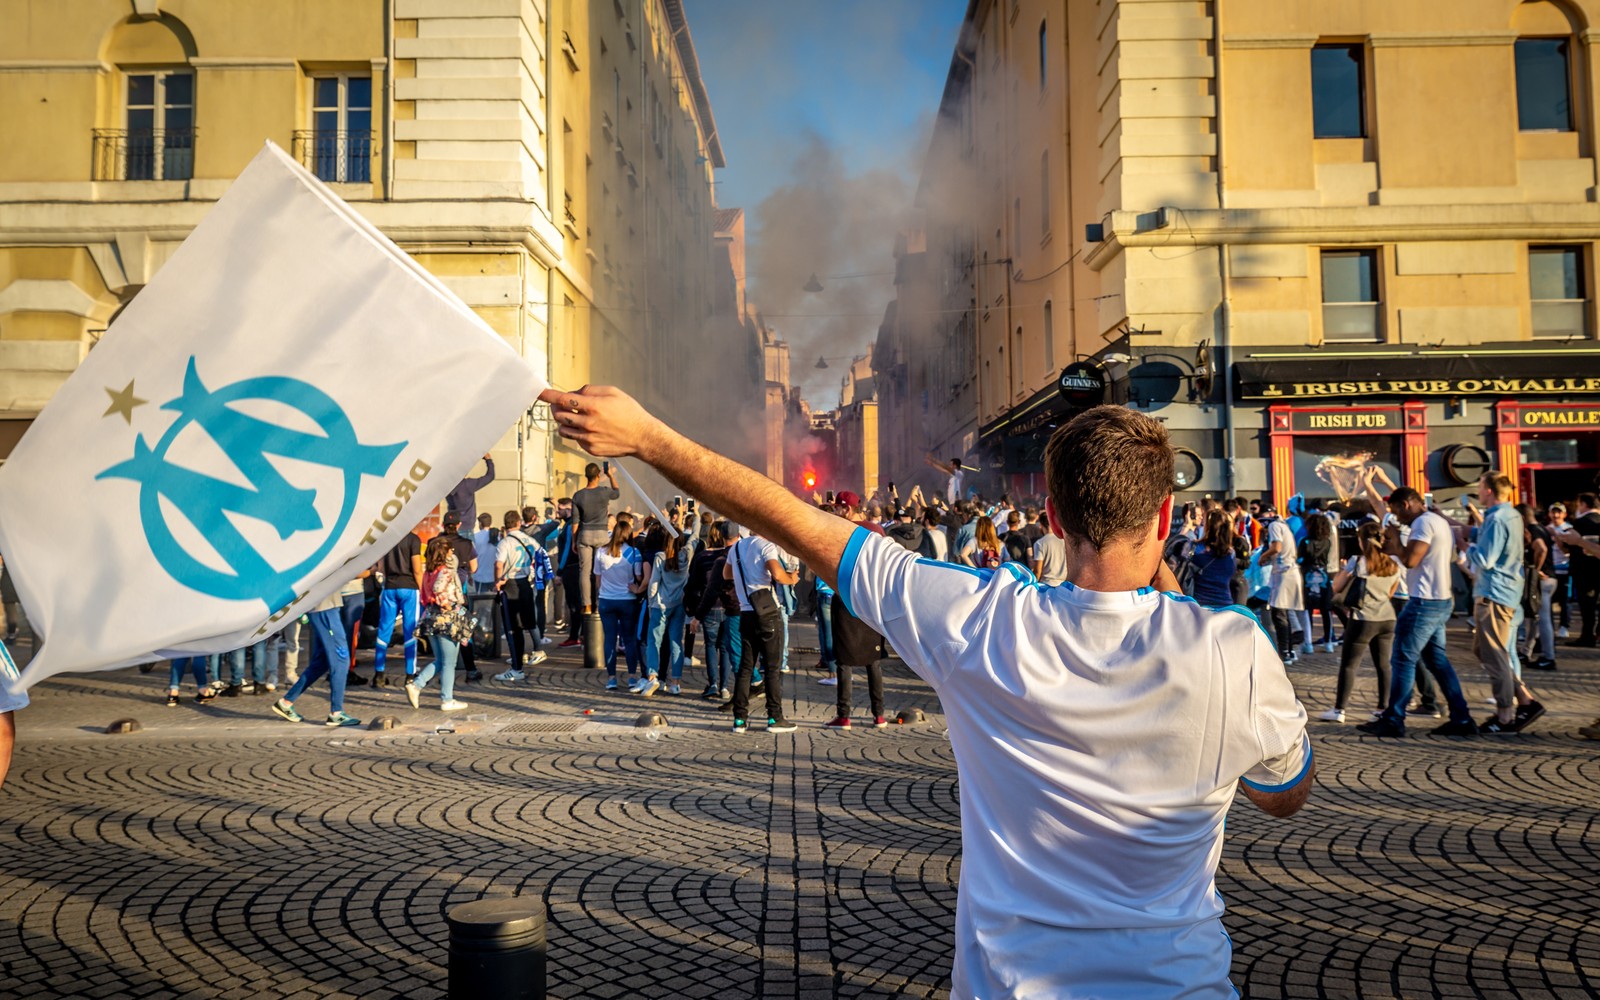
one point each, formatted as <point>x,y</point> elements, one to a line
<point>143,154</point>
<point>336,157</point>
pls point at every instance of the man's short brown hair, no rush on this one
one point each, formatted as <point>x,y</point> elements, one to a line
<point>1109,470</point>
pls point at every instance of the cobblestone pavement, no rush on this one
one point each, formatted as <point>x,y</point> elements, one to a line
<point>222,852</point>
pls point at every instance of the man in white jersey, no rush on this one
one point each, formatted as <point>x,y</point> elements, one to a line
<point>1419,633</point>
<point>1100,727</point>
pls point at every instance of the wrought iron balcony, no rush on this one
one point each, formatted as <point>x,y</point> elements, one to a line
<point>143,154</point>
<point>336,157</point>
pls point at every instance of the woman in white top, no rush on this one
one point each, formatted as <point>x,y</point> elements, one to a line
<point>623,576</point>
<point>1371,624</point>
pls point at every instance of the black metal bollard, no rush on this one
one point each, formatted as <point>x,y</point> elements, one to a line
<point>497,949</point>
<point>594,637</point>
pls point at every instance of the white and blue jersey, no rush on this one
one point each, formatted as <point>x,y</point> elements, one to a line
<point>1099,737</point>
<point>12,697</point>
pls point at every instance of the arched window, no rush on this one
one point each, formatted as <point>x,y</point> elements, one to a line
<point>151,133</point>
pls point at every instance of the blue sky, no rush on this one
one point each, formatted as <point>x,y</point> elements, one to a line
<point>813,97</point>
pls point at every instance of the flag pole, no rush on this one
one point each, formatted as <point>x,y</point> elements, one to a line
<point>665,522</point>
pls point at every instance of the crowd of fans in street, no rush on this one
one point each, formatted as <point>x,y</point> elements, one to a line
<point>1375,577</point>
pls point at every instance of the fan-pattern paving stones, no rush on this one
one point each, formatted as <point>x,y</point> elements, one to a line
<point>223,853</point>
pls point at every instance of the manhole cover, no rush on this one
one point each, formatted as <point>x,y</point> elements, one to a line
<point>540,727</point>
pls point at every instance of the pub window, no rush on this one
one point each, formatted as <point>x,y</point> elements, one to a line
<point>1558,292</point>
<point>1544,87</point>
<point>1338,100</point>
<point>1349,296</point>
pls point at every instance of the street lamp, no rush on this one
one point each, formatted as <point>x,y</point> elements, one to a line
<point>821,362</point>
<point>813,285</point>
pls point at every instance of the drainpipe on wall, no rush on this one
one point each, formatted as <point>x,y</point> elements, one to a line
<point>388,100</point>
<point>1224,354</point>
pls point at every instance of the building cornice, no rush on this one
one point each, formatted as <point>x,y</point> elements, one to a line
<point>53,66</point>
<point>1354,225</point>
<point>1418,40</point>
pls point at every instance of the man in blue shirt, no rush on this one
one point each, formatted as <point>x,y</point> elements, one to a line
<point>1496,563</point>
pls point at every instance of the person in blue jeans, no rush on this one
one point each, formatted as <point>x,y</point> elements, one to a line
<point>441,588</point>
<point>710,601</point>
<point>1419,634</point>
<point>824,615</point>
<point>330,656</point>
<point>669,574</point>
<point>623,576</point>
<point>182,664</point>
<point>402,576</point>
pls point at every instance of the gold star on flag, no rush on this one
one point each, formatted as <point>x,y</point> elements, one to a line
<point>123,402</point>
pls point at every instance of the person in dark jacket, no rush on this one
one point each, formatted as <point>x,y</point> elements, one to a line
<point>906,531</point>
<point>714,609</point>
<point>463,499</point>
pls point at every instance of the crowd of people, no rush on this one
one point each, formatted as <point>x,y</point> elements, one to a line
<point>1389,572</point>
<point>1375,578</point>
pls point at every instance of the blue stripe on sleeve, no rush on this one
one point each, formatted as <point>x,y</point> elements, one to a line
<point>1287,784</point>
<point>847,564</point>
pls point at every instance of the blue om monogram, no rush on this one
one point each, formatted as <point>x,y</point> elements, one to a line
<point>206,501</point>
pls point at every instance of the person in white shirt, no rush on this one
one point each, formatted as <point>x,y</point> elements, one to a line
<point>1285,589</point>
<point>1050,558</point>
<point>756,566</point>
<point>933,524</point>
<point>1419,633</point>
<point>1100,728</point>
<point>484,546</point>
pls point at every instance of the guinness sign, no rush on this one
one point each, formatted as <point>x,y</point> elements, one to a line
<point>1083,384</point>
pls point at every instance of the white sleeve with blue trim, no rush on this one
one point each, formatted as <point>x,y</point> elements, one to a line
<point>1279,722</point>
<point>922,607</point>
<point>12,697</point>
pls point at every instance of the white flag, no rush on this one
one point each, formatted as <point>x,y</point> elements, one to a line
<point>287,398</point>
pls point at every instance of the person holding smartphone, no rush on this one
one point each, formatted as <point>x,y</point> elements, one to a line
<point>593,508</point>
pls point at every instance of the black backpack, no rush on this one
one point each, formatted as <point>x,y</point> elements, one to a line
<point>1180,556</point>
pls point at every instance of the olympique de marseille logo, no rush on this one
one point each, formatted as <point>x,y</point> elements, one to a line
<point>234,422</point>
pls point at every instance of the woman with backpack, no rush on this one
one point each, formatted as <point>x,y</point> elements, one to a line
<point>716,608</point>
<point>1216,562</point>
<point>985,550</point>
<point>623,576</point>
<point>1367,584</point>
<point>444,622</point>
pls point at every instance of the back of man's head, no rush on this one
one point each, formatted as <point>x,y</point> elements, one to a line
<point>1013,520</point>
<point>513,519</point>
<point>1032,515</point>
<point>1587,501</point>
<point>1109,469</point>
<point>591,472</point>
<point>1498,485</point>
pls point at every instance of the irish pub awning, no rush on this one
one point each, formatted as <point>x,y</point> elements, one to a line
<point>1514,372</point>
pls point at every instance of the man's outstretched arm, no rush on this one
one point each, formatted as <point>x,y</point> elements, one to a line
<point>608,423</point>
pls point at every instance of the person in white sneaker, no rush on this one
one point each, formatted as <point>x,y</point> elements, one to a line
<point>444,622</point>
<point>513,578</point>
<point>1100,728</point>
<point>1371,617</point>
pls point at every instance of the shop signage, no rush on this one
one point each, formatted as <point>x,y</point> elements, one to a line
<point>1418,387</point>
<point>1391,419</point>
<point>1082,384</point>
<point>1536,418</point>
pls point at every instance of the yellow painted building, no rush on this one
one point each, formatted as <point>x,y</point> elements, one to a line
<point>1243,211</point>
<point>472,132</point>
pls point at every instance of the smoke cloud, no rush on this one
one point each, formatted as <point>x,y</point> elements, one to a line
<point>840,225</point>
